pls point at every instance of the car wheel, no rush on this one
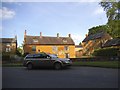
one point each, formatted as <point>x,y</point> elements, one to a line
<point>57,66</point>
<point>29,66</point>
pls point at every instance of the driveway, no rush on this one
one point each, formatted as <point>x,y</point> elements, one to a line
<point>74,77</point>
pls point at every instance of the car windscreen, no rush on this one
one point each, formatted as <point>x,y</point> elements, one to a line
<point>53,56</point>
<point>29,56</point>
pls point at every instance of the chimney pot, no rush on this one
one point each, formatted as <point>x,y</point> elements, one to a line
<point>40,34</point>
<point>25,32</point>
<point>57,35</point>
<point>69,35</point>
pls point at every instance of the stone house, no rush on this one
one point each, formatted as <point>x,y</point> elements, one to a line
<point>94,41</point>
<point>64,47</point>
<point>9,45</point>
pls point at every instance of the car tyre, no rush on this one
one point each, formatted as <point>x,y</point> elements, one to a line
<point>57,66</point>
<point>29,66</point>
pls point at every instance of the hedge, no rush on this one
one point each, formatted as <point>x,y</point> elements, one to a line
<point>106,52</point>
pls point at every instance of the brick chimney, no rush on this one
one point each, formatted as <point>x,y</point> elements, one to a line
<point>25,32</point>
<point>40,34</point>
<point>57,35</point>
<point>69,35</point>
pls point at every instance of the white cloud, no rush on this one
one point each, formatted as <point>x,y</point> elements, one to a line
<point>6,13</point>
<point>99,11</point>
<point>77,38</point>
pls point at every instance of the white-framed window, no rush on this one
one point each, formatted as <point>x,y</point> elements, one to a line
<point>55,48</point>
<point>66,48</point>
<point>8,44</point>
<point>64,40</point>
<point>8,49</point>
<point>35,40</point>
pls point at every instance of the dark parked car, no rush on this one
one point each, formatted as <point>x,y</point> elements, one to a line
<point>45,60</point>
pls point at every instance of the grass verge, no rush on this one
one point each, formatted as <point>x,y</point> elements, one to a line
<point>12,65</point>
<point>105,64</point>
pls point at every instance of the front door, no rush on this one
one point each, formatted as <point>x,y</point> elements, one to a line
<point>66,55</point>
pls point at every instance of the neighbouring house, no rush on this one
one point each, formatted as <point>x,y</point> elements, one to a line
<point>78,50</point>
<point>94,41</point>
<point>112,43</point>
<point>9,45</point>
<point>64,47</point>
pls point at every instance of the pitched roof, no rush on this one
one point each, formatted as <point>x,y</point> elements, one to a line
<point>112,42</point>
<point>45,40</point>
<point>78,46</point>
<point>8,40</point>
<point>95,36</point>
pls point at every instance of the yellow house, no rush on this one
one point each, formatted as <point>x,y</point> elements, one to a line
<point>64,47</point>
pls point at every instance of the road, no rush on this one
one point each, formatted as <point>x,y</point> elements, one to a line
<point>74,77</point>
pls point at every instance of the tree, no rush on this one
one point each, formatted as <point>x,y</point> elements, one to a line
<point>97,29</point>
<point>112,8</point>
<point>19,51</point>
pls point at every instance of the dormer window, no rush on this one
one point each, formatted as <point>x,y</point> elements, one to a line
<point>64,40</point>
<point>35,40</point>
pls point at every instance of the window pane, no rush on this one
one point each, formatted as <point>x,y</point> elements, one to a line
<point>55,48</point>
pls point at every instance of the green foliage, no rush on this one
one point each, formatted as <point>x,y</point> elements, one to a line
<point>19,51</point>
<point>112,9</point>
<point>106,52</point>
<point>114,28</point>
<point>106,64</point>
<point>113,14</point>
<point>97,29</point>
<point>5,56</point>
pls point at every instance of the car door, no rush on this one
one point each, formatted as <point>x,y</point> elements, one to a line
<point>46,61</point>
<point>38,61</point>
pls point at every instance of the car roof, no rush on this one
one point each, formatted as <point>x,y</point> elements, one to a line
<point>36,54</point>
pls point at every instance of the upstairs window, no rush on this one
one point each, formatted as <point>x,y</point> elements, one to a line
<point>66,48</point>
<point>64,40</point>
<point>54,48</point>
<point>8,49</point>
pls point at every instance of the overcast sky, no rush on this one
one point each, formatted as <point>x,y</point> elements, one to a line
<point>50,18</point>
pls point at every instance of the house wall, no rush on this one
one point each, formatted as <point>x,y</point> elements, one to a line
<point>91,45</point>
<point>53,49</point>
<point>12,46</point>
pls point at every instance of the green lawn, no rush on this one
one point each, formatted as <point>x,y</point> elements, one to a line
<point>12,65</point>
<point>106,64</point>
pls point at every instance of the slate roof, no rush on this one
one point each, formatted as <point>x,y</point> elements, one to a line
<point>112,42</point>
<point>95,36</point>
<point>8,40</point>
<point>45,40</point>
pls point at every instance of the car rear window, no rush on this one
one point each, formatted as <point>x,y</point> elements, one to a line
<point>40,56</point>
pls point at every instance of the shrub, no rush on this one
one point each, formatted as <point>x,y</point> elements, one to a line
<point>106,52</point>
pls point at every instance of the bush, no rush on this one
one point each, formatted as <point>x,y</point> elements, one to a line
<point>106,52</point>
<point>11,58</point>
